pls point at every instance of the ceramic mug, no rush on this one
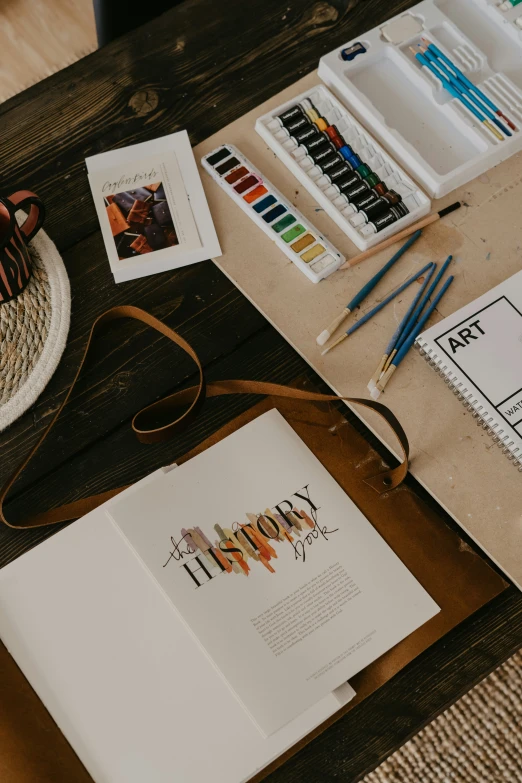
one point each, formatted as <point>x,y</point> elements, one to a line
<point>15,260</point>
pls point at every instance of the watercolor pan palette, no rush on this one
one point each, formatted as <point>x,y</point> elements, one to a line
<point>342,167</point>
<point>430,132</point>
<point>274,214</point>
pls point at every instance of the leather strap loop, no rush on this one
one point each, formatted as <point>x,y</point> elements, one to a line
<point>184,406</point>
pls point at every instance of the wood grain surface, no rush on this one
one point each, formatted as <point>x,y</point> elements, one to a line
<point>38,37</point>
<point>198,67</point>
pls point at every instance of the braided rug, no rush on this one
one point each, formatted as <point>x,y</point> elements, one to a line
<point>477,740</point>
<point>33,331</point>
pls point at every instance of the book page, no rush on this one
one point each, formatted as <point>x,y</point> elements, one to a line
<point>284,583</point>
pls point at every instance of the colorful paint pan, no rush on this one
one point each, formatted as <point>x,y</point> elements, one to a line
<point>237,174</point>
<point>274,213</point>
<point>303,243</point>
<point>246,183</point>
<point>220,155</point>
<point>255,194</point>
<point>260,206</point>
<point>289,229</point>
<point>314,251</point>
<point>283,223</point>
<point>227,165</point>
<point>294,232</point>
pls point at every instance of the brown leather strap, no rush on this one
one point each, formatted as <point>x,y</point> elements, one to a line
<point>184,407</point>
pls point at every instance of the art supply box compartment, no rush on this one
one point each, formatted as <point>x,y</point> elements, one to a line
<point>363,144</point>
<point>437,139</point>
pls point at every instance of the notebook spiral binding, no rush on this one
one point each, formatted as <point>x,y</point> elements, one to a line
<point>484,419</point>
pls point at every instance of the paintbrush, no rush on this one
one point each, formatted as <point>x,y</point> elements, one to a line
<point>391,347</point>
<point>365,290</point>
<point>407,232</point>
<point>379,307</point>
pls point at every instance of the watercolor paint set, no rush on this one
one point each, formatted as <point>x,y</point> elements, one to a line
<point>440,86</point>
<point>349,175</point>
<point>294,234</point>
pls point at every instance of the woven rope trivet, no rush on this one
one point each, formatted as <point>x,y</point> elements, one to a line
<point>477,740</point>
<point>33,330</point>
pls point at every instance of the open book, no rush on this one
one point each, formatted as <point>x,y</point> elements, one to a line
<point>118,666</point>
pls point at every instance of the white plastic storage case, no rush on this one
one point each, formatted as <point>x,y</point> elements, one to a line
<point>431,133</point>
<point>368,150</point>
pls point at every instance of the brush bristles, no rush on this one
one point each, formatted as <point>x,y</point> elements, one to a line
<point>383,382</point>
<point>377,374</point>
<point>323,337</point>
<point>327,350</point>
<point>327,333</point>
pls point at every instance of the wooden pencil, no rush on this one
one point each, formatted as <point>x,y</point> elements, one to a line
<point>428,220</point>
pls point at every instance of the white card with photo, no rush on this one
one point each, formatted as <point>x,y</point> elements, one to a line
<point>284,583</point>
<point>152,207</point>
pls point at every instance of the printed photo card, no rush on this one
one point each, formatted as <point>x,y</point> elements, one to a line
<point>152,207</point>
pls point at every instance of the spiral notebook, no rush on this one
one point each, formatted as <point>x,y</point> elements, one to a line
<point>478,353</point>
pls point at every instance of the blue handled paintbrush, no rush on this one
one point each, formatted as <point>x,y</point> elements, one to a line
<point>365,290</point>
<point>376,309</point>
<point>463,88</point>
<point>390,350</point>
<point>469,84</point>
<point>420,307</point>
<point>410,339</point>
<point>459,96</point>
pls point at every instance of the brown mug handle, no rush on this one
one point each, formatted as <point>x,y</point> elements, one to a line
<point>36,214</point>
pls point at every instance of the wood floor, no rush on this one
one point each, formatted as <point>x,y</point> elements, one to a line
<point>39,37</point>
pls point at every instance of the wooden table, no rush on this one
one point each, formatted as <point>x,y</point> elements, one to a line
<point>198,67</point>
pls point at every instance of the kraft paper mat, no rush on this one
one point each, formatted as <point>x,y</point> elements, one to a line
<point>452,457</point>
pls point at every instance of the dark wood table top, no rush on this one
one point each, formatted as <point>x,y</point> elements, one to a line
<point>198,67</point>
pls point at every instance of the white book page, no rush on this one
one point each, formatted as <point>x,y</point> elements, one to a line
<point>295,612</point>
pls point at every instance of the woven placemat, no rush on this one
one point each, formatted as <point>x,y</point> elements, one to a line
<point>33,330</point>
<point>477,740</point>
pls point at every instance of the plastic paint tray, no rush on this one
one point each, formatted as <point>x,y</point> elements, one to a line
<point>432,134</point>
